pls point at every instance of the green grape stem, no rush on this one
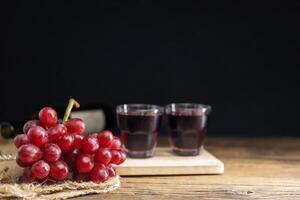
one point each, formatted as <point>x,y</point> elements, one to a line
<point>72,102</point>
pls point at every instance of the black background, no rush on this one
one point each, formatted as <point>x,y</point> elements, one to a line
<point>241,57</point>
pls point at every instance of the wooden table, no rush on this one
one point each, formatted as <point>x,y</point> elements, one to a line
<point>255,168</point>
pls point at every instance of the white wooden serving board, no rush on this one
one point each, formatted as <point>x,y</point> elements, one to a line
<point>165,162</point>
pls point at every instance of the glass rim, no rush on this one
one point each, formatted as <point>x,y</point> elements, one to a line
<point>187,106</point>
<point>140,108</point>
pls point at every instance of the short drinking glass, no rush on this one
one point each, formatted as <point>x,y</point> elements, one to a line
<point>186,123</point>
<point>139,124</point>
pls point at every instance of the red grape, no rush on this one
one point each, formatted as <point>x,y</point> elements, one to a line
<point>99,165</point>
<point>89,144</point>
<point>37,136</point>
<point>111,171</point>
<point>75,125</point>
<point>20,140</point>
<point>105,138</point>
<point>29,154</point>
<point>59,170</point>
<point>103,156</point>
<point>27,176</point>
<point>65,142</point>
<point>48,117</point>
<point>70,158</point>
<point>77,141</point>
<point>84,163</point>
<point>31,123</point>
<point>99,174</point>
<point>56,131</point>
<point>116,157</point>
<point>123,157</point>
<point>21,164</point>
<point>116,143</point>
<point>93,135</point>
<point>52,152</point>
<point>40,169</point>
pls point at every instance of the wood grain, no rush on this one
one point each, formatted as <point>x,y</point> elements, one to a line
<point>255,168</point>
<point>165,162</point>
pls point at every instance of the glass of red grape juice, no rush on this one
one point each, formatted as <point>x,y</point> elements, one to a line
<point>186,124</point>
<point>139,124</point>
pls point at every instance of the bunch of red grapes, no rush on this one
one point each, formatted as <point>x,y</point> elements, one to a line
<point>52,151</point>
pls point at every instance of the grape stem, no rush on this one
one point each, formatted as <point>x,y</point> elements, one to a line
<point>72,102</point>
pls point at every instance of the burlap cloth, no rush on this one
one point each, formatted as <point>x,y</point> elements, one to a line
<point>9,189</point>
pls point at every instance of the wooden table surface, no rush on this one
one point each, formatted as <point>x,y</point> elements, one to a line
<point>255,168</point>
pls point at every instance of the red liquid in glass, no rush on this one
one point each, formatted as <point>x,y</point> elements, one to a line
<point>187,132</point>
<point>139,132</point>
